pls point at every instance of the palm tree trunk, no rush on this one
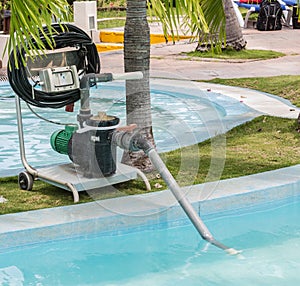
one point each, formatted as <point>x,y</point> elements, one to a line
<point>234,36</point>
<point>137,58</point>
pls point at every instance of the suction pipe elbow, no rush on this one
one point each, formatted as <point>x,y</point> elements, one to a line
<point>142,143</point>
<point>131,141</point>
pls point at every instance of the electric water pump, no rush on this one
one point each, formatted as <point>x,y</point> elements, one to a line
<point>90,147</point>
<point>57,79</point>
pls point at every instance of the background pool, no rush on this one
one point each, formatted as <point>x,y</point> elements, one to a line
<point>181,116</point>
<point>268,234</point>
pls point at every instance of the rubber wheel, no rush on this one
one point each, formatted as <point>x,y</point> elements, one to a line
<point>25,181</point>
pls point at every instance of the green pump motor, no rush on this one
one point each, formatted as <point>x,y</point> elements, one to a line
<point>60,139</point>
<point>90,148</point>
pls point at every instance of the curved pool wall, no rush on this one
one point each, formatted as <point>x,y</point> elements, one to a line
<point>182,113</point>
<point>149,211</point>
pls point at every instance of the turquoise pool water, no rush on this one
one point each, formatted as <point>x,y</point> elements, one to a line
<point>268,234</point>
<point>181,117</point>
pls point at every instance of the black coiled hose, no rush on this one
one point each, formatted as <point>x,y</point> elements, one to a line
<point>64,35</point>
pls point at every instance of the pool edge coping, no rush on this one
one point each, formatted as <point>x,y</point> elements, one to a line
<point>137,211</point>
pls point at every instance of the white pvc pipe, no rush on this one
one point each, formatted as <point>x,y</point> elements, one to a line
<point>127,75</point>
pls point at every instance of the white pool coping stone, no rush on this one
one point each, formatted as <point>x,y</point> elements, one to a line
<point>263,103</point>
<point>137,212</point>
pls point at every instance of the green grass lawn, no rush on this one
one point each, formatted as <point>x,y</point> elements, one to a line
<point>113,23</point>
<point>230,54</point>
<point>263,144</point>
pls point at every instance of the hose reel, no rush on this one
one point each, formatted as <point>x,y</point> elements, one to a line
<point>63,36</point>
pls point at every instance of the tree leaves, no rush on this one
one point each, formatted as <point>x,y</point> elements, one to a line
<point>27,20</point>
<point>205,17</point>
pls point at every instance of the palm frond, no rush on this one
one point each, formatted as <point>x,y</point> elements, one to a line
<point>204,17</point>
<point>27,21</point>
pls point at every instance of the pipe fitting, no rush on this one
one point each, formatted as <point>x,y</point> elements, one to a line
<point>131,141</point>
<point>142,143</point>
<point>125,140</point>
<point>86,80</point>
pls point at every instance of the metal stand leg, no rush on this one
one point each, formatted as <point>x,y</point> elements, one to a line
<point>28,168</point>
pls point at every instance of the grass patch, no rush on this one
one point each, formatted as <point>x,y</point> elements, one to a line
<point>244,11</point>
<point>42,196</point>
<point>266,143</point>
<point>287,86</point>
<point>111,4</point>
<point>113,23</point>
<point>230,54</point>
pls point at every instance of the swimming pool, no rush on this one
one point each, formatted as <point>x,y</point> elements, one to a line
<point>162,248</point>
<point>199,113</point>
<point>170,253</point>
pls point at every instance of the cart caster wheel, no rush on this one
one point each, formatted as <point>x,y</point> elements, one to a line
<point>25,181</point>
